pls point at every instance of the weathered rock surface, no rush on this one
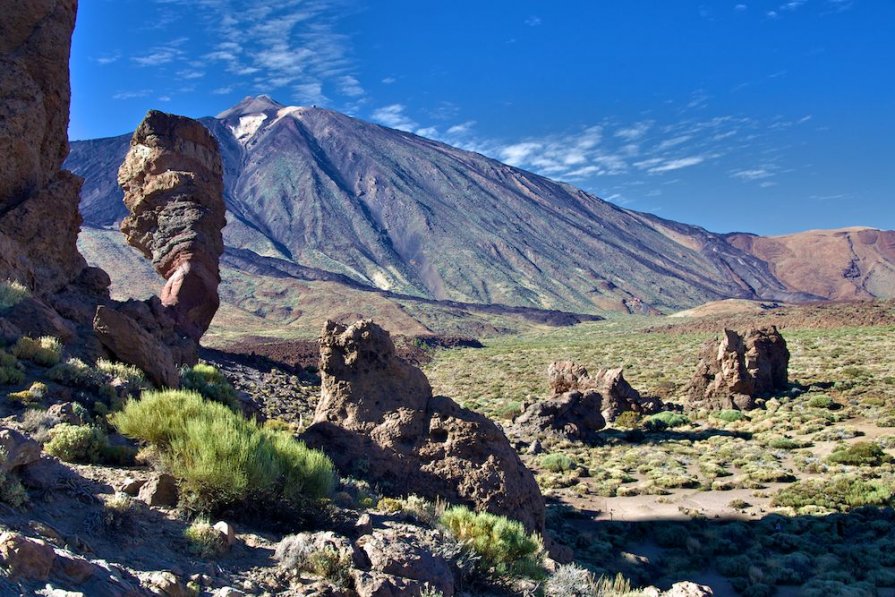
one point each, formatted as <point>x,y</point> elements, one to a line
<point>399,554</point>
<point>573,414</point>
<point>131,343</point>
<point>19,450</point>
<point>680,589</point>
<point>159,490</point>
<point>173,186</point>
<point>378,412</point>
<point>39,219</point>
<point>581,404</point>
<point>738,368</point>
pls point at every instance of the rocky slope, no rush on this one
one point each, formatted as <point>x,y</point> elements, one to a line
<point>320,196</point>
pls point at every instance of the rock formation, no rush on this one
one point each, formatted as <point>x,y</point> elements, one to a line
<point>737,368</point>
<point>173,186</point>
<point>579,404</point>
<point>377,414</point>
<point>39,219</point>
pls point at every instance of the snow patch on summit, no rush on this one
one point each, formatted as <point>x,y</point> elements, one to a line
<point>248,126</point>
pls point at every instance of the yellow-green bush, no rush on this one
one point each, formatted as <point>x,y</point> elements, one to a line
<point>10,369</point>
<point>210,383</point>
<point>126,373</point>
<point>204,540</point>
<point>12,293</point>
<point>220,457</point>
<point>76,443</point>
<point>45,351</point>
<point>33,394</point>
<point>502,544</point>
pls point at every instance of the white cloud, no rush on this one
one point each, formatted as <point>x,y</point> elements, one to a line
<point>677,164</point>
<point>389,80</point>
<point>393,116</point>
<point>533,21</point>
<point>131,94</point>
<point>462,128</point>
<point>752,174</point>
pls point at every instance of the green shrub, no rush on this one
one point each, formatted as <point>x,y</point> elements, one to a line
<point>10,369</point>
<point>76,443</point>
<point>842,493</point>
<point>45,351</point>
<point>220,457</point>
<point>665,420</point>
<point>627,420</point>
<point>34,394</point>
<point>557,462</point>
<point>821,401</point>
<point>75,372</point>
<point>502,544</point>
<point>210,383</point>
<point>204,540</point>
<point>128,374</point>
<point>784,443</point>
<point>12,293</point>
<point>859,454</point>
<point>729,415</point>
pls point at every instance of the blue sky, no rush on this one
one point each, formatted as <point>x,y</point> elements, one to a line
<point>768,117</point>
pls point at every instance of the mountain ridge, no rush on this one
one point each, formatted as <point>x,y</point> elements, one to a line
<point>395,212</point>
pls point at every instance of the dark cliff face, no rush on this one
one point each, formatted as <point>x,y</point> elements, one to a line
<point>394,211</point>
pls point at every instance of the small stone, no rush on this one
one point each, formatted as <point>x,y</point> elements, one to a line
<point>227,532</point>
<point>229,592</point>
<point>160,490</point>
<point>364,525</point>
<point>131,486</point>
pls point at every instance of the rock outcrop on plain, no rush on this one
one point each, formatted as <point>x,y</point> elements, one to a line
<point>173,186</point>
<point>737,368</point>
<point>580,404</point>
<point>377,415</point>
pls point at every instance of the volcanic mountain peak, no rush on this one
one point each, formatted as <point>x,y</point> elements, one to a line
<point>315,191</point>
<point>251,105</point>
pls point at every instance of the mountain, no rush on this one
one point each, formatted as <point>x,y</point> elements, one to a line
<point>319,197</point>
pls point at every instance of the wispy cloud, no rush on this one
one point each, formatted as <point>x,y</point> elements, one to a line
<point>131,94</point>
<point>394,116</point>
<point>266,45</point>
<point>533,21</point>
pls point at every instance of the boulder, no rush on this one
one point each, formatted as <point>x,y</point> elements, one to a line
<point>226,532</point>
<point>379,584</point>
<point>159,490</point>
<point>400,555</point>
<point>378,410</point>
<point>737,368</point>
<point>573,414</point>
<point>19,450</point>
<point>131,343</point>
<point>173,186</point>
<point>580,404</point>
<point>680,589</point>
<point>26,558</point>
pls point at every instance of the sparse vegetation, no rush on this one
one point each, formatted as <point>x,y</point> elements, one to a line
<point>665,420</point>
<point>502,544</point>
<point>204,540</point>
<point>210,383</point>
<point>10,369</point>
<point>12,293</point>
<point>220,457</point>
<point>76,443</point>
<point>859,454</point>
<point>45,351</point>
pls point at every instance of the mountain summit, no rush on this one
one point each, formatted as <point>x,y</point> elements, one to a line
<point>389,211</point>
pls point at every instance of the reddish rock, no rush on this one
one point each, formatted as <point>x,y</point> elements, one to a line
<point>131,343</point>
<point>26,558</point>
<point>160,490</point>
<point>573,414</point>
<point>20,450</point>
<point>738,368</point>
<point>377,409</point>
<point>39,218</point>
<point>173,186</point>
<point>399,554</point>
